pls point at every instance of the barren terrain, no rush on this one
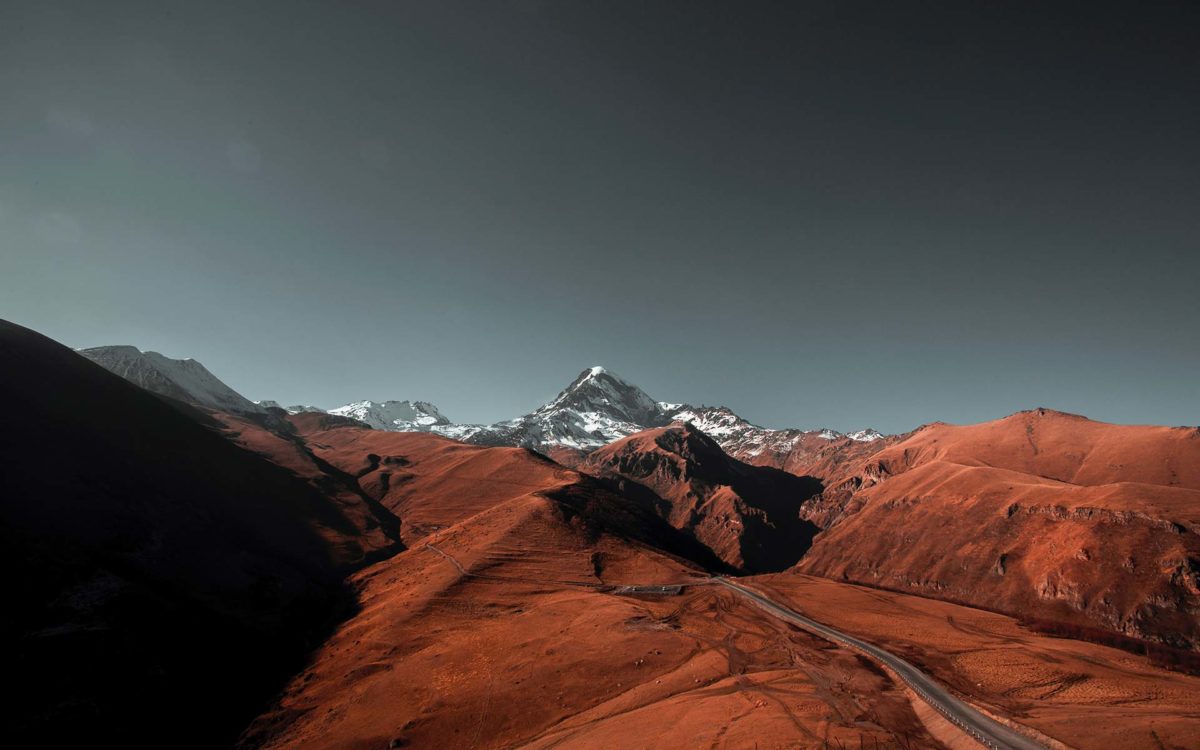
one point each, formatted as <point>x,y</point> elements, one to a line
<point>538,647</point>
<point>1040,514</point>
<point>1083,694</point>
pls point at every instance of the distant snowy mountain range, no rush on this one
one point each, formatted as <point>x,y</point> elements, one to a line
<point>597,408</point>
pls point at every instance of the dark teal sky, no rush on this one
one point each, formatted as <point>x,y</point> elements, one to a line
<point>819,214</point>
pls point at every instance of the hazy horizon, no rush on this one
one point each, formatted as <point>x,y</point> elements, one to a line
<point>839,215</point>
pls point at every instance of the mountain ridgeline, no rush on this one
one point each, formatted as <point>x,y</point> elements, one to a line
<point>1042,515</point>
<point>595,409</point>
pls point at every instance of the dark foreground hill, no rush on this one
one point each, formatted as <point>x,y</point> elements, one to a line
<point>160,582</point>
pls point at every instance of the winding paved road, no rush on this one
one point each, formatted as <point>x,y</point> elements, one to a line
<point>983,728</point>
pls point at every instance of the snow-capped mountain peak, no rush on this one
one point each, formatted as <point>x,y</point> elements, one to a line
<point>599,407</point>
<point>868,435</point>
<point>595,409</point>
<point>603,392</point>
<point>181,379</point>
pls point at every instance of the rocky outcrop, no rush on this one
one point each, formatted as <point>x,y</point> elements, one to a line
<point>750,516</point>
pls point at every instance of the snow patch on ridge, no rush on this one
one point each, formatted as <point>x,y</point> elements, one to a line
<point>396,416</point>
<point>865,436</point>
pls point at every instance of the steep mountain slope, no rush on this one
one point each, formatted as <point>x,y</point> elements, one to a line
<point>748,515</point>
<point>1040,514</point>
<point>182,379</point>
<point>146,559</point>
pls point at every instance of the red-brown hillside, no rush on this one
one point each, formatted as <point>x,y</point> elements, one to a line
<point>146,559</point>
<point>1041,514</point>
<point>748,515</point>
<point>430,483</point>
<point>1056,445</point>
<point>508,628</point>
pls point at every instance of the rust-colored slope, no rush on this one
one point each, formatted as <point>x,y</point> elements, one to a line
<point>1089,696</point>
<point>1056,445</point>
<point>430,483</point>
<point>1040,514</point>
<point>748,515</point>
<point>506,631</point>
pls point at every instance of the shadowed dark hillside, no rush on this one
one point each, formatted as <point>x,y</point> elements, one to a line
<point>148,560</point>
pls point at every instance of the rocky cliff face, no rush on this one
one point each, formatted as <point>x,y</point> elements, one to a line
<point>748,515</point>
